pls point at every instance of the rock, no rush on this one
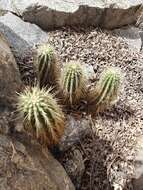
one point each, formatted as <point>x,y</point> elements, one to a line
<point>7,5</point>
<point>90,72</point>
<point>132,35</point>
<point>141,35</point>
<point>74,165</point>
<point>21,35</point>
<point>58,13</point>
<point>139,16</point>
<point>26,166</point>
<point>10,82</point>
<point>138,181</point>
<point>3,12</point>
<point>75,130</point>
<point>120,13</point>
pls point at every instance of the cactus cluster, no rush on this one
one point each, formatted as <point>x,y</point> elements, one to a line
<point>73,82</point>
<point>46,66</point>
<point>107,89</point>
<point>42,116</point>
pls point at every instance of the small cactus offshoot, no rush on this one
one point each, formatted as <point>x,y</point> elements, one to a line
<point>73,82</point>
<point>42,116</point>
<point>107,89</point>
<point>47,66</point>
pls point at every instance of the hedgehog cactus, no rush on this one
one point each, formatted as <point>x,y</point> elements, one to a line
<point>42,115</point>
<point>47,66</point>
<point>107,89</point>
<point>73,82</point>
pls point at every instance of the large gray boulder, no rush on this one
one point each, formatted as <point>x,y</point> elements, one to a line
<point>26,166</point>
<point>10,82</point>
<point>57,13</point>
<point>21,35</point>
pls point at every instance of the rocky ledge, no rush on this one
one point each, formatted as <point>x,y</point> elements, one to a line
<point>57,13</point>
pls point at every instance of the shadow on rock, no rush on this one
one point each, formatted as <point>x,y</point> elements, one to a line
<point>84,156</point>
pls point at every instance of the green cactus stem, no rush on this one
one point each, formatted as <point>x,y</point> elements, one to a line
<point>47,66</point>
<point>73,82</point>
<point>42,116</point>
<point>107,90</point>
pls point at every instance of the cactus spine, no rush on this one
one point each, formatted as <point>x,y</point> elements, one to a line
<point>107,89</point>
<point>42,115</point>
<point>73,82</point>
<point>47,66</point>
